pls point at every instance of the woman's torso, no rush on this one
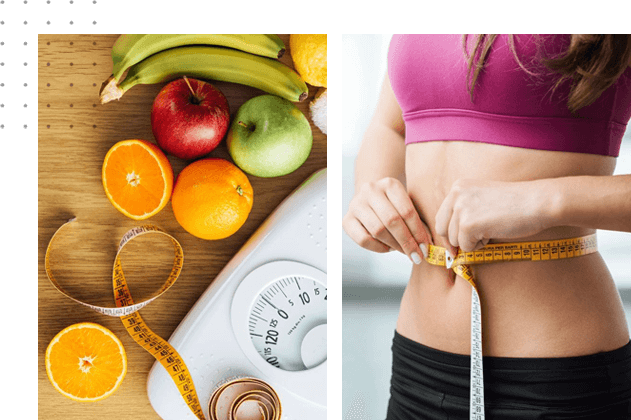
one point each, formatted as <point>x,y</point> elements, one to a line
<point>529,309</point>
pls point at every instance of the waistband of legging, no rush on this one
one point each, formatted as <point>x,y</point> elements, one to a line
<point>515,380</point>
<point>430,354</point>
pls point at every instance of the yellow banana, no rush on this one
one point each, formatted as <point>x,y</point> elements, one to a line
<point>131,49</point>
<point>214,63</point>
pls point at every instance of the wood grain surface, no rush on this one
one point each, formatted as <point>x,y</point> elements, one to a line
<point>75,133</point>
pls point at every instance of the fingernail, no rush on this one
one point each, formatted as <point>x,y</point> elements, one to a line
<point>391,249</point>
<point>416,258</point>
<point>424,250</point>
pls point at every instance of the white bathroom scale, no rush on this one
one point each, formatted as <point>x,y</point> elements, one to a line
<point>263,316</point>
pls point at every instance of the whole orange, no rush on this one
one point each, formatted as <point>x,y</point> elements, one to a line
<point>212,198</point>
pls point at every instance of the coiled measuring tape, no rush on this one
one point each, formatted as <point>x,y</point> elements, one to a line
<point>516,251</point>
<point>241,395</point>
<point>248,398</point>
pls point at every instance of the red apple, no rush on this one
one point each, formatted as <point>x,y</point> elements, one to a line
<point>189,118</point>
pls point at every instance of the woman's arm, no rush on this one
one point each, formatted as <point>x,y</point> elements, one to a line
<point>597,202</point>
<point>476,211</point>
<point>381,215</point>
<point>382,151</point>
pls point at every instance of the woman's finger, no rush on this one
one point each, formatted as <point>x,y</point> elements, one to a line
<point>375,227</point>
<point>394,225</point>
<point>405,207</point>
<point>358,233</point>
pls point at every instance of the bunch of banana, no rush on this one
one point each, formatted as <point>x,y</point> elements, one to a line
<point>159,58</point>
<point>131,49</point>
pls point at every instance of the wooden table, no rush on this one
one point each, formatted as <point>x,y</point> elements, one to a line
<point>75,133</point>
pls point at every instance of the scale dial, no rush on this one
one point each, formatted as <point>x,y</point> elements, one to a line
<point>279,318</point>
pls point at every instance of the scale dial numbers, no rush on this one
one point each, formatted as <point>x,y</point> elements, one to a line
<point>286,312</point>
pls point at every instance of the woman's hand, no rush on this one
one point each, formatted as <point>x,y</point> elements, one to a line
<point>477,211</point>
<point>382,217</point>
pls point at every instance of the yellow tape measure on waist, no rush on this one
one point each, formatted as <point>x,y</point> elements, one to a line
<point>517,251</point>
<point>493,253</point>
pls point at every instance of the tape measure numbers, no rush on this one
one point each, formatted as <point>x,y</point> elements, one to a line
<point>493,253</point>
<point>123,307</point>
<point>260,394</point>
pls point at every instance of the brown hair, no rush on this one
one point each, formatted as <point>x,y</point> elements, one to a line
<point>592,63</point>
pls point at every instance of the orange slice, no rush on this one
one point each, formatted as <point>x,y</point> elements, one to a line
<point>138,178</point>
<point>86,362</point>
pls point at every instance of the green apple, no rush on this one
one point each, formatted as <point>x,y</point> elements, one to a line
<point>269,137</point>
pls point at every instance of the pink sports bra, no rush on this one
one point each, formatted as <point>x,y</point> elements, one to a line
<point>428,75</point>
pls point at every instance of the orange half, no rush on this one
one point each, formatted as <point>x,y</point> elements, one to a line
<point>137,178</point>
<point>86,362</point>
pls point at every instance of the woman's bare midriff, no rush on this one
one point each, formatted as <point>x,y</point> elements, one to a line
<point>529,309</point>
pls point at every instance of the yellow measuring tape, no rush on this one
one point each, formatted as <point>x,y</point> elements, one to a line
<point>261,394</point>
<point>253,397</point>
<point>493,253</point>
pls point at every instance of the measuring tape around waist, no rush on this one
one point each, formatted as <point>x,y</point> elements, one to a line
<point>233,400</point>
<point>493,253</point>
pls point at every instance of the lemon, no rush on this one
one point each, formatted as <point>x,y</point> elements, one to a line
<point>309,55</point>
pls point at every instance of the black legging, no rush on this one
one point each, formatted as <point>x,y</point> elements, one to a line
<point>430,384</point>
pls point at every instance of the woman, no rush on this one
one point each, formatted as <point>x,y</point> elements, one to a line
<point>494,139</point>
